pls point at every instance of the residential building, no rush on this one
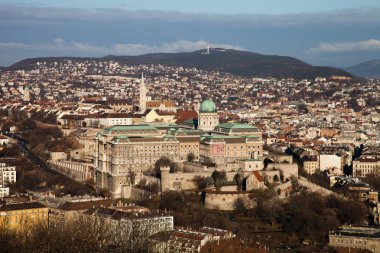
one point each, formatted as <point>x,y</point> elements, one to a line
<point>128,221</point>
<point>182,240</point>
<point>356,238</point>
<point>7,174</point>
<point>22,216</point>
<point>3,140</point>
<point>311,165</point>
<point>365,166</point>
<point>4,191</point>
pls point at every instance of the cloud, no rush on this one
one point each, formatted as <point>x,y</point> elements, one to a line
<point>60,45</point>
<point>337,47</point>
<point>12,45</point>
<point>13,14</point>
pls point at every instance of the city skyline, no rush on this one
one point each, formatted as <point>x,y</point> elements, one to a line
<point>340,34</point>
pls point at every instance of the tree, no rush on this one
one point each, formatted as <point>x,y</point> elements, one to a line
<point>262,195</point>
<point>165,162</point>
<point>240,205</point>
<point>84,233</point>
<point>201,182</point>
<point>238,179</point>
<point>190,157</point>
<point>219,177</point>
<point>132,176</point>
<point>27,125</point>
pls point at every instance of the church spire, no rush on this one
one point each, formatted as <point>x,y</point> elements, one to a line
<point>142,93</point>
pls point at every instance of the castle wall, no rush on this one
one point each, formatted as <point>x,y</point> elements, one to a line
<point>226,201</point>
<point>287,169</point>
<point>184,181</point>
<point>77,171</point>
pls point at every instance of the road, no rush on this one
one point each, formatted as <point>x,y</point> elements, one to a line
<point>22,142</point>
<point>41,164</point>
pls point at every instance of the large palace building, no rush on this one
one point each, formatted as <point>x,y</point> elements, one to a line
<point>120,150</point>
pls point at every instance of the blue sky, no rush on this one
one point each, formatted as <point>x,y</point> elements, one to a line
<point>323,32</point>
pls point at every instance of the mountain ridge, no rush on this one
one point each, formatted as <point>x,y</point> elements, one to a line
<point>369,68</point>
<point>242,63</point>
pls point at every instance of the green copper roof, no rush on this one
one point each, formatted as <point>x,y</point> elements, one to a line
<point>236,126</point>
<point>207,106</point>
<point>132,127</point>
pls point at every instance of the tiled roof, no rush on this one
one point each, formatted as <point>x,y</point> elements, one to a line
<point>73,117</point>
<point>116,115</point>
<point>83,205</point>
<point>258,176</point>
<point>156,103</point>
<point>21,206</point>
<point>183,115</point>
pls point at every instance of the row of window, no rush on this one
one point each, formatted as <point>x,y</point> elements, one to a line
<point>349,241</point>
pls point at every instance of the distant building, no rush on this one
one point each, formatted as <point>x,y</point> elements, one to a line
<point>4,191</point>
<point>223,149</point>
<point>208,117</point>
<point>311,165</point>
<point>75,170</point>
<point>7,174</point>
<point>123,149</point>
<point>356,238</point>
<point>23,215</point>
<point>327,161</point>
<point>131,221</point>
<point>70,210</point>
<point>143,91</point>
<point>182,240</point>
<point>26,94</point>
<point>365,166</point>
<point>115,119</point>
<point>161,105</point>
<point>3,140</point>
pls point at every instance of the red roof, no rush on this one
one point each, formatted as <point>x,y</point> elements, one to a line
<point>183,115</point>
<point>258,176</point>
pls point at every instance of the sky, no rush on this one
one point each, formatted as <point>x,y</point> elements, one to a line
<point>325,32</point>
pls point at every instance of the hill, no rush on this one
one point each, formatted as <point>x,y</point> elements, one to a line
<point>236,62</point>
<point>366,69</point>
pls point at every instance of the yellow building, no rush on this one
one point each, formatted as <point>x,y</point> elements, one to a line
<point>22,216</point>
<point>121,150</point>
<point>231,141</point>
<point>311,165</point>
<point>356,238</point>
<point>365,166</point>
<point>159,116</point>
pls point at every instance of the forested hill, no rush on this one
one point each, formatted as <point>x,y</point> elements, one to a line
<point>236,62</point>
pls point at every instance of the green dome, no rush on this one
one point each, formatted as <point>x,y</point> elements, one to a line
<point>207,106</point>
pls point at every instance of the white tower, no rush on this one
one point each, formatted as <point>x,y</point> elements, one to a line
<point>142,94</point>
<point>208,48</point>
